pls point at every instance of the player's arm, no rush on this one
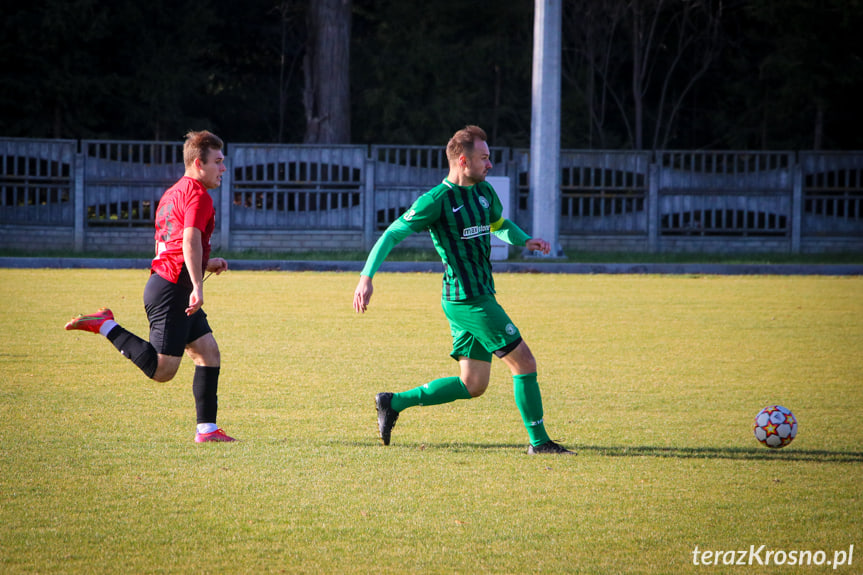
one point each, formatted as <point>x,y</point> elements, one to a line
<point>193,254</point>
<point>424,210</point>
<point>395,233</point>
<point>509,232</point>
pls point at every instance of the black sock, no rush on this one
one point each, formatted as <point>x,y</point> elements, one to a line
<point>205,386</point>
<point>136,349</point>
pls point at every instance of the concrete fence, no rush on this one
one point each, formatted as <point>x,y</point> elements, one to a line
<point>94,195</point>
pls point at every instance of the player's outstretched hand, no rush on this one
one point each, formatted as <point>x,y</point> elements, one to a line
<point>538,245</point>
<point>363,294</point>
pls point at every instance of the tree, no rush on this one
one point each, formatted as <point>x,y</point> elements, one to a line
<point>591,58</point>
<point>423,70</point>
<point>159,65</point>
<point>327,72</point>
<point>254,91</point>
<point>289,48</point>
<point>734,74</point>
<point>794,75</point>
<point>664,47</point>
<point>51,55</point>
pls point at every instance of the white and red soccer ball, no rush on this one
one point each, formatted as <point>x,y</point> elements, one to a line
<point>775,426</point>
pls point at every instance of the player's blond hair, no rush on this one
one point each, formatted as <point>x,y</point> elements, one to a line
<point>462,142</point>
<point>198,146</point>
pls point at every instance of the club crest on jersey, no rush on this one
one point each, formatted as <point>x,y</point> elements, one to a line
<point>483,202</point>
<point>510,329</point>
<point>410,215</point>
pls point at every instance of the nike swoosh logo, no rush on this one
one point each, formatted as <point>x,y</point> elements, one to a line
<point>454,210</point>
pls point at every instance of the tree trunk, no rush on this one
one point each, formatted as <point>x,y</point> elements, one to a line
<point>327,73</point>
<point>819,125</point>
<point>637,75</point>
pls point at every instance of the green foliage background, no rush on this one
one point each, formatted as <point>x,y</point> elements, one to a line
<point>154,70</point>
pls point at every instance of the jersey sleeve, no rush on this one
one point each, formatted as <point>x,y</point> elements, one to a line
<point>198,210</point>
<point>395,233</point>
<point>508,231</point>
<point>505,229</point>
<point>424,212</point>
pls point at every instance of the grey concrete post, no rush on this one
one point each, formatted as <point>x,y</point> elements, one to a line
<point>545,124</point>
<point>226,203</point>
<point>369,205</point>
<point>796,207</point>
<point>80,205</point>
<point>653,222</point>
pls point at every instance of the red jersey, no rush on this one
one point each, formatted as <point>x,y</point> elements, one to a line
<point>185,204</point>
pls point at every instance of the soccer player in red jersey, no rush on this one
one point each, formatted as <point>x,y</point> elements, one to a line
<point>174,293</point>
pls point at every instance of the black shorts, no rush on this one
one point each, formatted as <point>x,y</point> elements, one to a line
<point>171,330</point>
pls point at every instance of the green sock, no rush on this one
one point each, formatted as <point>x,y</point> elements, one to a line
<point>529,403</point>
<point>444,390</point>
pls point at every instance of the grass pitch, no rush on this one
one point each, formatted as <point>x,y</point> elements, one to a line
<point>653,380</point>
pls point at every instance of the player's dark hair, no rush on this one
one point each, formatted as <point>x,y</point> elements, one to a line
<point>198,146</point>
<point>462,142</point>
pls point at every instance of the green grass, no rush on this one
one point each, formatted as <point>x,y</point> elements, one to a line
<point>654,380</point>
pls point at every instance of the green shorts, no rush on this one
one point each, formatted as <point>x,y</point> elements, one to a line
<point>480,328</point>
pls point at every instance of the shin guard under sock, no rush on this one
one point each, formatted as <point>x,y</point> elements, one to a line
<point>444,390</point>
<point>205,387</point>
<point>136,349</point>
<point>529,402</point>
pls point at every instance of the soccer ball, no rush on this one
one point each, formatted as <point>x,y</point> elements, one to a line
<point>775,426</point>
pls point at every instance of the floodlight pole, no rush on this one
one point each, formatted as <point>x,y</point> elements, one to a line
<point>545,123</point>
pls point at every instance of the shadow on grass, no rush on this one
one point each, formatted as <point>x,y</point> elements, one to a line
<point>753,453</point>
<point>438,446</point>
<point>741,453</point>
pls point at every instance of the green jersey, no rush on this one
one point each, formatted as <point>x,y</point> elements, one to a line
<point>460,221</point>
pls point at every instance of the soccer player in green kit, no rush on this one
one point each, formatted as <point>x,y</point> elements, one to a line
<point>460,215</point>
